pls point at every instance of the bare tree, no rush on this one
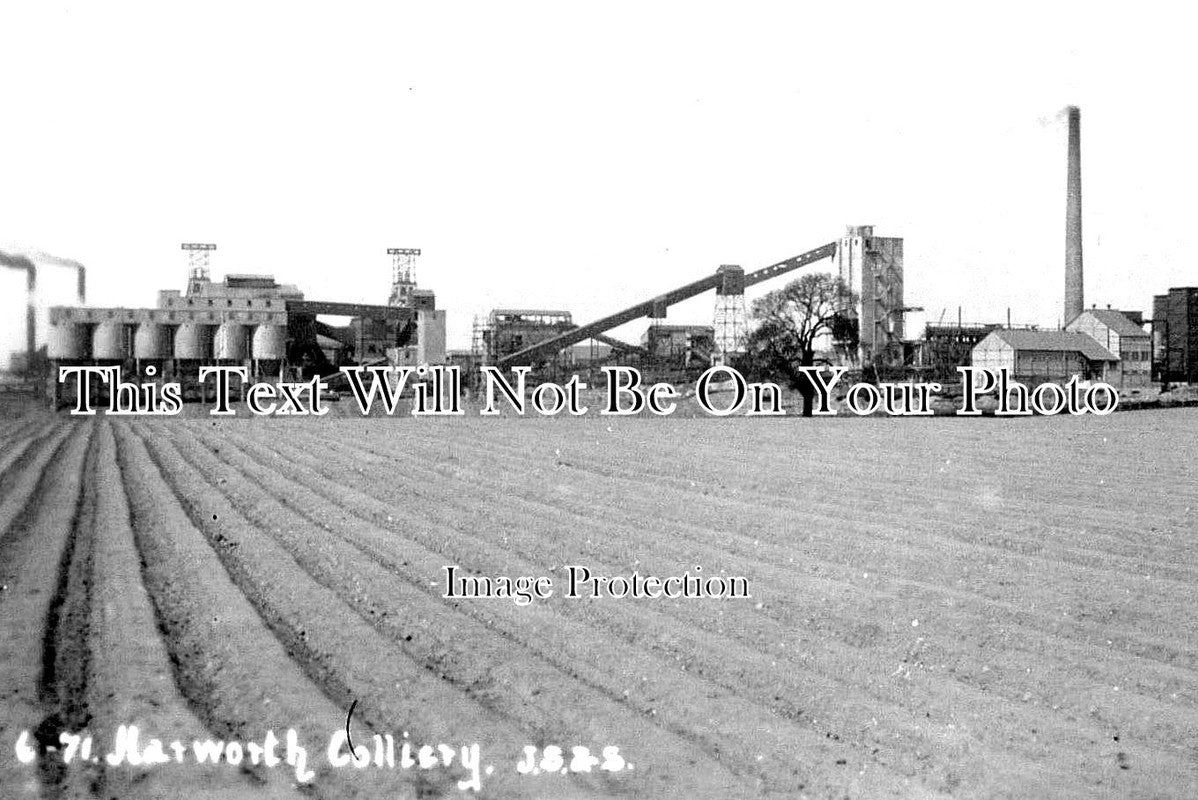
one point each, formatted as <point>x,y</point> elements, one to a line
<point>790,320</point>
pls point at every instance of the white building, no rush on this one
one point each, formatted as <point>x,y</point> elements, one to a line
<point>1130,343</point>
<point>1040,356</point>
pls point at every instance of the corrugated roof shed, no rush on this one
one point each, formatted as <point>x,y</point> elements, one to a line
<point>1116,321</point>
<point>1056,341</point>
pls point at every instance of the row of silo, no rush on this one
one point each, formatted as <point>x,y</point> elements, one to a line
<point>115,341</point>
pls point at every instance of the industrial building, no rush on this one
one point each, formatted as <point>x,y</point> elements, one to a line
<point>1175,335</point>
<point>1097,344</point>
<point>679,345</point>
<point>1119,334</point>
<point>1035,357</point>
<point>872,266</point>
<point>945,347</point>
<point>248,320</point>
<point>510,330</point>
<point>272,328</point>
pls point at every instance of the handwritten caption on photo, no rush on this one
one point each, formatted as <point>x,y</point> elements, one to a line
<point>385,751</point>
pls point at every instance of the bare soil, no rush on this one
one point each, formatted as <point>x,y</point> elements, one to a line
<point>940,607</point>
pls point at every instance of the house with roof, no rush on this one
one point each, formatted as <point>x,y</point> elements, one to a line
<point>1034,357</point>
<point>1122,336</point>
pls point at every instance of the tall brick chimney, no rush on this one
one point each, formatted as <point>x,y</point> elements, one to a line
<point>1075,300</point>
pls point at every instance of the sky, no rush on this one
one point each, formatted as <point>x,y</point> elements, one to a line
<point>588,156</point>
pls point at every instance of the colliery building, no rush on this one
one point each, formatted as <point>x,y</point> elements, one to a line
<point>1035,357</point>
<point>1119,333</point>
<point>679,345</point>
<point>509,330</point>
<point>248,320</point>
<point>872,266</point>
<point>944,348</point>
<point>1175,334</point>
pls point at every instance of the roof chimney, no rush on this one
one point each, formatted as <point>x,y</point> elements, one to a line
<point>1074,294</point>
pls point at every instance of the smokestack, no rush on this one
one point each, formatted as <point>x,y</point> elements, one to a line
<point>30,315</point>
<point>30,268</point>
<point>1075,301</point>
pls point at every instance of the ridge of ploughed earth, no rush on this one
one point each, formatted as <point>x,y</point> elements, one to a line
<point>940,607</point>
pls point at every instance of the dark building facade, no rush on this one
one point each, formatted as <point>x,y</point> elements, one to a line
<point>1175,335</point>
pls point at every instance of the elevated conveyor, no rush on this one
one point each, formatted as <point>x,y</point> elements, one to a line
<point>656,306</point>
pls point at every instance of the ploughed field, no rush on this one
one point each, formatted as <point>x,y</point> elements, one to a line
<point>940,607</point>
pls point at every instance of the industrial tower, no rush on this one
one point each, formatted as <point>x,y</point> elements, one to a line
<point>731,323</point>
<point>872,266</point>
<point>197,260</point>
<point>403,276</point>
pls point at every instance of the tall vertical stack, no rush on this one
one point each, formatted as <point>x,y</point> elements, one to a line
<point>1074,294</point>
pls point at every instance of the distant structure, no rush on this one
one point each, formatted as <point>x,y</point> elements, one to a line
<point>507,331</point>
<point>1118,333</point>
<point>29,263</point>
<point>510,330</point>
<point>946,347</point>
<point>1035,357</point>
<point>731,279</point>
<point>1175,335</point>
<point>248,320</point>
<point>683,346</point>
<point>1075,301</point>
<point>731,324</point>
<point>872,266</point>
<point>1097,344</point>
<point>403,275</point>
<point>405,348</point>
<point>198,259</point>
